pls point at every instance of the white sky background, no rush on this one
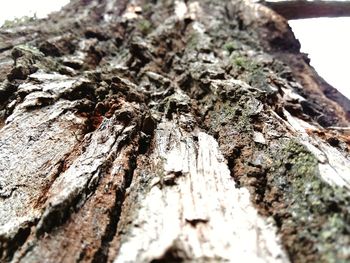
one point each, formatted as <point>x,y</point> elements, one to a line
<point>11,9</point>
<point>326,40</point>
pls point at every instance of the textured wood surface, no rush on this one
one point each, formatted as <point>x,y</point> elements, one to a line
<point>168,131</point>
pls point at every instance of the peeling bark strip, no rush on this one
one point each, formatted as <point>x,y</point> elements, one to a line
<point>168,131</point>
<point>183,205</point>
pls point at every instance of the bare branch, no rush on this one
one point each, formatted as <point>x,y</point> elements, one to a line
<point>310,9</point>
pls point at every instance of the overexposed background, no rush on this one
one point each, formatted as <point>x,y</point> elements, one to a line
<point>326,40</point>
<point>18,8</point>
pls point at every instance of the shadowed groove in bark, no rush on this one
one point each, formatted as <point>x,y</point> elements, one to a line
<point>113,211</point>
<point>148,127</point>
<point>111,229</point>
<point>121,138</point>
<point>9,247</point>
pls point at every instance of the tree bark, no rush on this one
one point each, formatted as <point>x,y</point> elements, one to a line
<point>168,131</point>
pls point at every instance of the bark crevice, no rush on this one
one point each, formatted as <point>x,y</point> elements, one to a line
<point>175,130</point>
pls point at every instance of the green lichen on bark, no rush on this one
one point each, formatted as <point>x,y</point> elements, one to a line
<point>232,113</point>
<point>313,217</point>
<point>213,71</point>
<point>316,221</point>
<point>230,46</point>
<point>144,26</point>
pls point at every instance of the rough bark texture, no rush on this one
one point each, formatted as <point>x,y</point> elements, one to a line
<point>168,131</point>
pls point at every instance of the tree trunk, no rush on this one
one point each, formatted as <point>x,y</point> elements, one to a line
<point>168,131</point>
